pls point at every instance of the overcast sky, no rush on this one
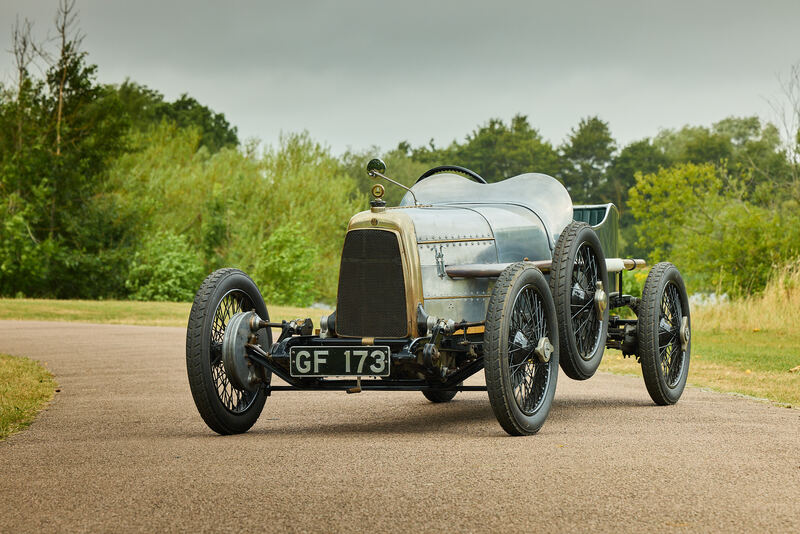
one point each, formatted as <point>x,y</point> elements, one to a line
<point>356,74</point>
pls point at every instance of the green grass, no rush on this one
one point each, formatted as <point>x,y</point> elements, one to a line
<point>749,345</point>
<point>25,388</point>
<point>123,311</point>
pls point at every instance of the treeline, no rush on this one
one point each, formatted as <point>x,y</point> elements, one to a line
<point>111,191</point>
<point>723,202</point>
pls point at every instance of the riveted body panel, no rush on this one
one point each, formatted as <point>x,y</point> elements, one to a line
<point>458,222</point>
<point>543,196</point>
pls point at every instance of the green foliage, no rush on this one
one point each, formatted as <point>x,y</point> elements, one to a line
<point>106,189</point>
<point>639,156</point>
<point>496,151</point>
<point>633,282</point>
<point>60,235</point>
<point>302,185</point>
<point>285,269</point>
<point>21,265</point>
<point>586,155</point>
<point>747,149</point>
<point>229,203</point>
<point>146,107</point>
<point>165,268</point>
<point>699,217</point>
<point>400,167</point>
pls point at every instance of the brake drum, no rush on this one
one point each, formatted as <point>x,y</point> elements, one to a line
<point>241,373</point>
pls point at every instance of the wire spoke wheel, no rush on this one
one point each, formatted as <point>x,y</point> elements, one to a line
<point>577,274</point>
<point>670,350</point>
<point>520,349</point>
<point>225,408</point>
<point>234,400</point>
<point>585,322</point>
<point>529,377</point>
<point>663,333</point>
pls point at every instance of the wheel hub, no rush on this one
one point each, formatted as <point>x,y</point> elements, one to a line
<point>685,333</point>
<point>600,299</point>
<point>237,366</point>
<point>544,349</point>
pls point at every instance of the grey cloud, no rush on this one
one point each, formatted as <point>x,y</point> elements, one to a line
<point>363,73</point>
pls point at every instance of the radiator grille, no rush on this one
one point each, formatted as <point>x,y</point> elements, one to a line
<point>372,297</point>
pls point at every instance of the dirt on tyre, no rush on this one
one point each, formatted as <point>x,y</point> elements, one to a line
<point>664,334</point>
<point>578,266</point>
<point>520,349</point>
<point>223,407</point>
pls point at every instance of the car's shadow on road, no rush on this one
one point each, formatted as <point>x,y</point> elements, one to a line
<point>465,415</point>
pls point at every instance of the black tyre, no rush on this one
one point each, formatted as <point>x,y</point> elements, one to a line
<point>439,396</point>
<point>520,377</point>
<point>224,408</point>
<point>664,334</point>
<point>578,265</point>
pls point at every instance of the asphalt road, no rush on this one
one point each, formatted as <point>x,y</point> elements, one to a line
<point>122,448</point>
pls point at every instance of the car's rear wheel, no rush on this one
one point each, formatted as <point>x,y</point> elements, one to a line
<point>579,283</point>
<point>664,334</point>
<point>438,396</point>
<point>520,349</point>
<point>225,408</point>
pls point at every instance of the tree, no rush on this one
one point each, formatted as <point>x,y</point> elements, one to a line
<point>743,146</point>
<point>60,234</point>
<point>639,156</point>
<point>400,167</point>
<point>498,151</point>
<point>787,112</point>
<point>495,151</point>
<point>700,217</point>
<point>585,156</point>
<point>146,107</point>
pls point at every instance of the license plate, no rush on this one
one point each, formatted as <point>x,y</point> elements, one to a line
<point>339,361</point>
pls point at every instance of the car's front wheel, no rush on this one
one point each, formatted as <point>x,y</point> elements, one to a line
<point>520,349</point>
<point>225,408</point>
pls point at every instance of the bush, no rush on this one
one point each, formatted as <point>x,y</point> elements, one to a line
<point>633,282</point>
<point>164,268</point>
<point>703,220</point>
<point>228,204</point>
<point>24,265</point>
<point>285,271</point>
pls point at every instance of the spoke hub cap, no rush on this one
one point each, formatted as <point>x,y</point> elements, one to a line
<point>685,333</point>
<point>600,299</point>
<point>544,349</point>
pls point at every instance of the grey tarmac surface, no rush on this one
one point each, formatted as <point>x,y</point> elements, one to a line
<point>122,448</point>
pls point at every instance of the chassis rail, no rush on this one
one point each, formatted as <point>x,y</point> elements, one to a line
<point>259,356</point>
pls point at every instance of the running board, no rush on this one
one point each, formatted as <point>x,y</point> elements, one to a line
<point>493,270</point>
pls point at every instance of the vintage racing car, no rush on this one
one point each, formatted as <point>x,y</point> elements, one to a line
<point>509,278</point>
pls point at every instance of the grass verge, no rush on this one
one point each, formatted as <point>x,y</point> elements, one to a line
<point>123,311</point>
<point>748,346</point>
<point>758,364</point>
<point>25,388</point>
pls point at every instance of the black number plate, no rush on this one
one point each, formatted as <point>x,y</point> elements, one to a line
<point>339,361</point>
